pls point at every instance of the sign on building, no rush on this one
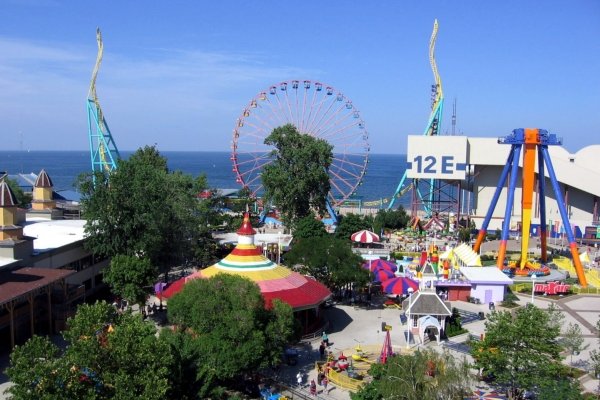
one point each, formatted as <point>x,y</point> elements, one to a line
<point>437,157</point>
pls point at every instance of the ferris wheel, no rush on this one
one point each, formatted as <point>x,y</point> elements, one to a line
<point>314,108</point>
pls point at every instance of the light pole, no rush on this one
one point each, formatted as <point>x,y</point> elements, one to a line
<point>533,276</point>
<point>279,248</point>
<point>408,320</point>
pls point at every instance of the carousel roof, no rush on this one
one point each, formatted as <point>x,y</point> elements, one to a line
<point>275,281</point>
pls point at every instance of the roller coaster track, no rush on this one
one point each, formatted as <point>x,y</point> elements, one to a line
<point>103,149</point>
<point>386,200</point>
<point>433,124</point>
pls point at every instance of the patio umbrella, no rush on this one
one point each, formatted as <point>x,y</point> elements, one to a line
<point>382,275</point>
<point>364,236</point>
<point>380,264</point>
<point>399,285</point>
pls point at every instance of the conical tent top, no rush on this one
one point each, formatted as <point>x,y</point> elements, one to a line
<point>7,197</point>
<point>246,228</point>
<point>43,180</point>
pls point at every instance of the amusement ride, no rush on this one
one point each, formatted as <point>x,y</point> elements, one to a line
<point>315,109</point>
<point>103,149</point>
<point>533,142</point>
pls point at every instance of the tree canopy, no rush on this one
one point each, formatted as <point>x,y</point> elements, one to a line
<point>227,329</point>
<point>309,226</point>
<point>297,181</point>
<point>108,356</point>
<point>521,351</point>
<point>329,260</point>
<point>142,209</point>
<point>426,374</point>
<point>129,276</point>
<point>390,219</point>
<point>351,223</point>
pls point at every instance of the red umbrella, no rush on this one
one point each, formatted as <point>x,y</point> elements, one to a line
<point>382,275</point>
<point>364,236</point>
<point>399,285</point>
<point>380,264</point>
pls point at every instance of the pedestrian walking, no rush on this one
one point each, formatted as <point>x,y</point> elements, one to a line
<point>322,349</point>
<point>299,378</point>
<point>313,388</point>
<point>324,383</point>
<point>325,338</point>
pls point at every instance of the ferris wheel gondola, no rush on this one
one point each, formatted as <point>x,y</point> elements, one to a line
<point>314,108</point>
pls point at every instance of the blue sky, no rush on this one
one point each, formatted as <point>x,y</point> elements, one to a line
<point>179,73</point>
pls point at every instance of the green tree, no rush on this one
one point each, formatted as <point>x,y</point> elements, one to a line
<point>595,357</point>
<point>464,235</point>
<point>108,356</point>
<point>560,388</point>
<point>573,340</point>
<point>143,209</point>
<point>351,223</point>
<point>297,180</point>
<point>520,350</point>
<point>309,226</point>
<point>426,374</point>
<point>231,331</point>
<point>390,219</point>
<point>329,260</point>
<point>130,276</point>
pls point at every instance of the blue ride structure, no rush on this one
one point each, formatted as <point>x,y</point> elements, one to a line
<point>532,142</point>
<point>432,129</point>
<point>103,149</point>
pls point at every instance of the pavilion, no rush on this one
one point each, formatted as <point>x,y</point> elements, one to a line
<point>304,294</point>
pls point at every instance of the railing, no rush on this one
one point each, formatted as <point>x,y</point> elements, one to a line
<point>341,380</point>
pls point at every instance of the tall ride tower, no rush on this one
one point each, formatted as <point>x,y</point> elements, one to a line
<point>103,149</point>
<point>424,192</point>
<point>533,141</point>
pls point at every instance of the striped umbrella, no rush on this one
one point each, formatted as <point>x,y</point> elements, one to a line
<point>380,264</point>
<point>382,275</point>
<point>364,236</point>
<point>399,285</point>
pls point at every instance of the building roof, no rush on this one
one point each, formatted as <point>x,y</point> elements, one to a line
<point>569,167</point>
<point>246,229</point>
<point>275,281</point>
<point>17,283</point>
<point>43,180</point>
<point>7,197</point>
<point>427,303</point>
<point>51,234</point>
<point>489,275</point>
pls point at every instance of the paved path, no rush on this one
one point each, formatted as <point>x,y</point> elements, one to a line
<point>350,325</point>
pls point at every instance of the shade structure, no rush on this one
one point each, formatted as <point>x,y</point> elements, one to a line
<point>380,264</point>
<point>169,290</point>
<point>467,256</point>
<point>364,236</point>
<point>275,281</point>
<point>382,275</point>
<point>399,285</point>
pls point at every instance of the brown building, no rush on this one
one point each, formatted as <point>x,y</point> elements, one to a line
<point>45,270</point>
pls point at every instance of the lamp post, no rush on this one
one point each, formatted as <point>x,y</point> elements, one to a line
<point>279,248</point>
<point>408,320</point>
<point>533,277</point>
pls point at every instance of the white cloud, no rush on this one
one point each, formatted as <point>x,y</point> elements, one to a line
<point>43,87</point>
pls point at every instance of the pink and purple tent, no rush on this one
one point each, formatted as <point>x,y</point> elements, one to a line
<point>380,264</point>
<point>399,285</point>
